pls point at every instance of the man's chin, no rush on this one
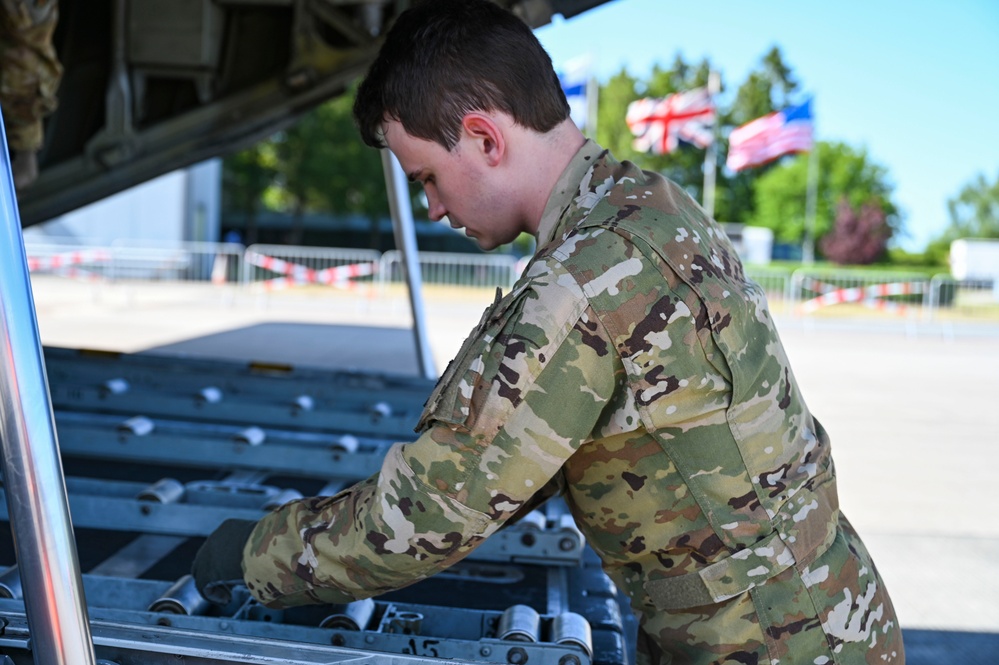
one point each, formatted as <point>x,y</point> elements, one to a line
<point>485,244</point>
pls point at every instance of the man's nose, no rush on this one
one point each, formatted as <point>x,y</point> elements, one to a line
<point>435,209</point>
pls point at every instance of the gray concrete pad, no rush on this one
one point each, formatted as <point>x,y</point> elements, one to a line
<point>300,344</point>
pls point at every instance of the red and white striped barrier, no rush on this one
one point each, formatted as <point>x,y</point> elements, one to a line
<point>863,294</point>
<point>299,274</point>
<point>220,268</point>
<point>67,259</point>
<point>886,306</point>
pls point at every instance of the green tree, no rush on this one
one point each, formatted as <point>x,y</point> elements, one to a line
<point>612,105</point>
<point>245,176</point>
<point>318,164</point>
<point>765,90</point>
<point>844,173</point>
<point>304,166</point>
<point>974,212</point>
<point>685,165</point>
<point>355,176</point>
<point>768,88</point>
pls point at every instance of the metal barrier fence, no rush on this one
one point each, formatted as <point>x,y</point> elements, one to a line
<point>805,293</point>
<point>219,263</point>
<point>812,291</point>
<point>974,299</point>
<point>451,269</point>
<point>207,262</point>
<point>267,268</point>
<point>90,262</point>
<point>275,267</point>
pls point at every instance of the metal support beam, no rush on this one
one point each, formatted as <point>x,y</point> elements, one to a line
<point>33,478</point>
<point>405,239</point>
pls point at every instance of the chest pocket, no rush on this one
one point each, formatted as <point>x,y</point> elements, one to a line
<point>452,400</point>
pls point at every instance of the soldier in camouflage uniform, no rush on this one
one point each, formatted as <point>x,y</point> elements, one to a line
<point>29,77</point>
<point>633,369</point>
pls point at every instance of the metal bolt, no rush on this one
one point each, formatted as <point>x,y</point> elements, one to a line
<point>485,651</point>
<point>516,656</point>
<point>568,659</point>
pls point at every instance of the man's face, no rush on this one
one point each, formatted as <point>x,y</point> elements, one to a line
<point>459,185</point>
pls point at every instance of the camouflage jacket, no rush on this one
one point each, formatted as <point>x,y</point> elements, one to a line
<point>634,367</point>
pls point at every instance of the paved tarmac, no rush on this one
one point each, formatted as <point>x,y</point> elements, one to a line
<point>912,409</point>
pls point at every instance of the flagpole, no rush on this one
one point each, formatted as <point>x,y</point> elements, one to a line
<point>811,196</point>
<point>592,91</point>
<point>711,153</point>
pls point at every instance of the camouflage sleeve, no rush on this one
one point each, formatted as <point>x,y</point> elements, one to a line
<point>30,71</point>
<point>524,393</point>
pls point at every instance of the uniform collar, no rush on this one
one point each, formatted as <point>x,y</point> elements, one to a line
<point>566,189</point>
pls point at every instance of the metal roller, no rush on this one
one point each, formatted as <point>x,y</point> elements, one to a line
<point>251,436</point>
<point>164,490</point>
<point>181,598</point>
<point>139,426</point>
<point>345,444</point>
<point>352,616</point>
<point>303,403</point>
<point>571,537</point>
<point>519,623</point>
<point>278,499</point>
<point>406,623</point>
<point>209,395</point>
<point>10,583</point>
<point>535,520</point>
<point>572,628</point>
<point>379,411</point>
<point>114,387</point>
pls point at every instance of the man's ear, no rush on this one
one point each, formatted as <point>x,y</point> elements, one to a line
<point>487,136</point>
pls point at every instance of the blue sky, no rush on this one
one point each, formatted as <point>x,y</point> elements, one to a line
<point>915,82</point>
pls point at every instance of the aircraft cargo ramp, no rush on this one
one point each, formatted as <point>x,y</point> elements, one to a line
<point>159,450</point>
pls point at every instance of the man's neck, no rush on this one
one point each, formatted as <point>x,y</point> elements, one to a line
<point>546,157</point>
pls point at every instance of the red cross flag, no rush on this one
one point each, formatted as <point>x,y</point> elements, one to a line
<point>660,124</point>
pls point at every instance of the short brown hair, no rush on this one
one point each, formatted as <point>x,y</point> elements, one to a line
<point>445,58</point>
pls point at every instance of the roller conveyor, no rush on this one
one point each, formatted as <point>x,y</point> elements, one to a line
<point>222,391</point>
<point>147,485</point>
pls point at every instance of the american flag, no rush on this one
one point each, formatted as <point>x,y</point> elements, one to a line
<point>771,136</point>
<point>660,124</point>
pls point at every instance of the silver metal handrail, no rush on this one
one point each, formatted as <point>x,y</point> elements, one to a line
<point>405,240</point>
<point>33,477</point>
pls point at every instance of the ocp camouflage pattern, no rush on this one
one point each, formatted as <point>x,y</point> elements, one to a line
<point>634,369</point>
<point>30,71</point>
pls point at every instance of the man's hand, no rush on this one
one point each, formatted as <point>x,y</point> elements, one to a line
<point>218,565</point>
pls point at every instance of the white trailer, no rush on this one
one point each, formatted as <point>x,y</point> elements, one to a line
<point>974,258</point>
